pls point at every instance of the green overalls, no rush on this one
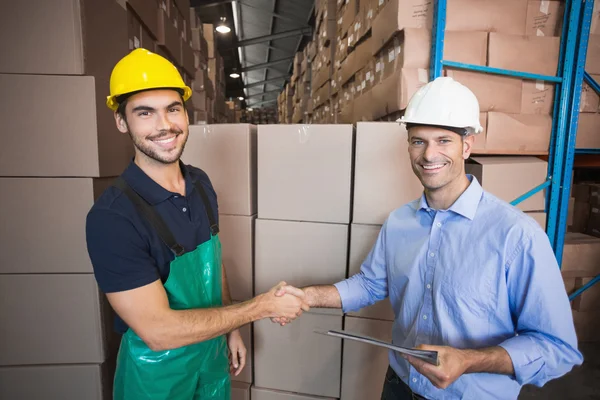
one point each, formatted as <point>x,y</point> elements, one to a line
<point>198,371</point>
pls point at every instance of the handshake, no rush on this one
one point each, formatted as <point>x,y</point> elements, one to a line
<point>284,303</point>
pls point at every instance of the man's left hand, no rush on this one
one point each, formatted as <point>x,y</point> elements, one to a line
<point>237,352</point>
<point>453,363</point>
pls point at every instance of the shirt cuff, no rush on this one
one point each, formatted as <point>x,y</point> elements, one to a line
<point>526,358</point>
<point>350,302</point>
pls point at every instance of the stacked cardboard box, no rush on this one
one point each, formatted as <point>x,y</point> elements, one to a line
<point>257,116</point>
<point>304,190</point>
<point>227,153</point>
<point>588,136</point>
<point>57,327</point>
<point>301,80</point>
<point>580,264</point>
<point>324,45</point>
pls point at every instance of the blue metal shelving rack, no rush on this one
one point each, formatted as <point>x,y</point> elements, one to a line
<point>569,80</point>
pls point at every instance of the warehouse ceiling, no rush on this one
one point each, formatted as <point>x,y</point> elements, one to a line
<point>281,27</point>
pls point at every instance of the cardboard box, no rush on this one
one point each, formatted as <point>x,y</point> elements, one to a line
<point>592,63</point>
<point>316,369</point>
<point>506,16</point>
<point>518,133</point>
<point>587,325</point>
<point>62,38</point>
<point>147,11</point>
<point>588,131</point>
<point>70,114</point>
<point>268,394</point>
<point>497,176</point>
<point>494,92</point>
<point>595,26</point>
<point>168,36</point>
<point>588,300</point>
<point>304,172</point>
<point>187,58</point>
<point>227,153</point>
<point>506,52</point>
<point>318,252</point>
<point>382,166</point>
<point>148,41</point>
<point>54,382</point>
<point>411,49</point>
<point>362,240</point>
<point>209,35</point>
<point>590,102</point>
<point>544,18</point>
<point>240,391</point>
<point>393,93</point>
<point>65,307</point>
<point>134,30</point>
<point>397,15</point>
<point>237,242</point>
<point>356,60</point>
<point>364,366</point>
<point>58,208</point>
<point>538,97</point>
<point>480,140</point>
<point>580,256</point>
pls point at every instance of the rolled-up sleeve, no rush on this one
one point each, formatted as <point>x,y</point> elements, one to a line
<point>370,285</point>
<point>545,346</point>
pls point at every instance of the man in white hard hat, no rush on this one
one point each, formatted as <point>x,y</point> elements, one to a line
<point>468,275</point>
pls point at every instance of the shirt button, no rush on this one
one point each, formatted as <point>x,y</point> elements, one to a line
<point>414,380</point>
<point>184,209</point>
<point>431,254</point>
<point>439,224</point>
<point>428,286</point>
<point>424,316</point>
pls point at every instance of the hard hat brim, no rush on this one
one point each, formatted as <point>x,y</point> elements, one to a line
<point>113,101</point>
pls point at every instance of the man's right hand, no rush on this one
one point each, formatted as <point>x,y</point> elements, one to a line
<point>288,306</point>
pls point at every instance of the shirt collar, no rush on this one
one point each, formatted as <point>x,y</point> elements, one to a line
<point>466,205</point>
<point>148,189</point>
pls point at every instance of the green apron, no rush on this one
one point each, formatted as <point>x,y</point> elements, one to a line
<point>198,371</point>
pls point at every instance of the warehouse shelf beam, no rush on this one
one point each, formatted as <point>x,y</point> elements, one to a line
<point>499,71</point>
<point>566,148</point>
<point>587,151</point>
<point>270,80</point>
<point>256,67</point>
<point>533,191</point>
<point>592,82</point>
<point>585,287</point>
<point>280,35</point>
<point>263,93</point>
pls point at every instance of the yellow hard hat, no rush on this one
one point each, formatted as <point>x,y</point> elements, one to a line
<point>143,70</point>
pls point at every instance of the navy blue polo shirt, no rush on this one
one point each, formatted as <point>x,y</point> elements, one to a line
<point>125,250</point>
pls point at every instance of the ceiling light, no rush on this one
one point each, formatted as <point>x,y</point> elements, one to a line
<point>250,109</point>
<point>222,28</point>
<point>240,98</point>
<point>234,75</point>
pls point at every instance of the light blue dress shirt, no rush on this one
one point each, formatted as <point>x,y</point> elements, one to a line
<point>479,274</point>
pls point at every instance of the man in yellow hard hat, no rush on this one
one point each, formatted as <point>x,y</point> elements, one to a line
<point>154,245</point>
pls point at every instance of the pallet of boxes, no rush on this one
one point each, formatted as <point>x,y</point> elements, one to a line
<point>227,153</point>
<point>320,55</point>
<point>302,92</point>
<point>60,157</point>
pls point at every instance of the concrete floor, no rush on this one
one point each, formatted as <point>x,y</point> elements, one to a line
<point>582,383</point>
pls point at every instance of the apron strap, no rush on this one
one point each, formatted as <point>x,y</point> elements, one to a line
<point>214,227</point>
<point>151,215</point>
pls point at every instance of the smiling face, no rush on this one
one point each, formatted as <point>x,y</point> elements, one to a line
<point>157,122</point>
<point>437,156</point>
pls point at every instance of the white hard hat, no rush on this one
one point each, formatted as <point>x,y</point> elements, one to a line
<point>444,102</point>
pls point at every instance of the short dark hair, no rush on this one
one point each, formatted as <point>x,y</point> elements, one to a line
<point>124,99</point>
